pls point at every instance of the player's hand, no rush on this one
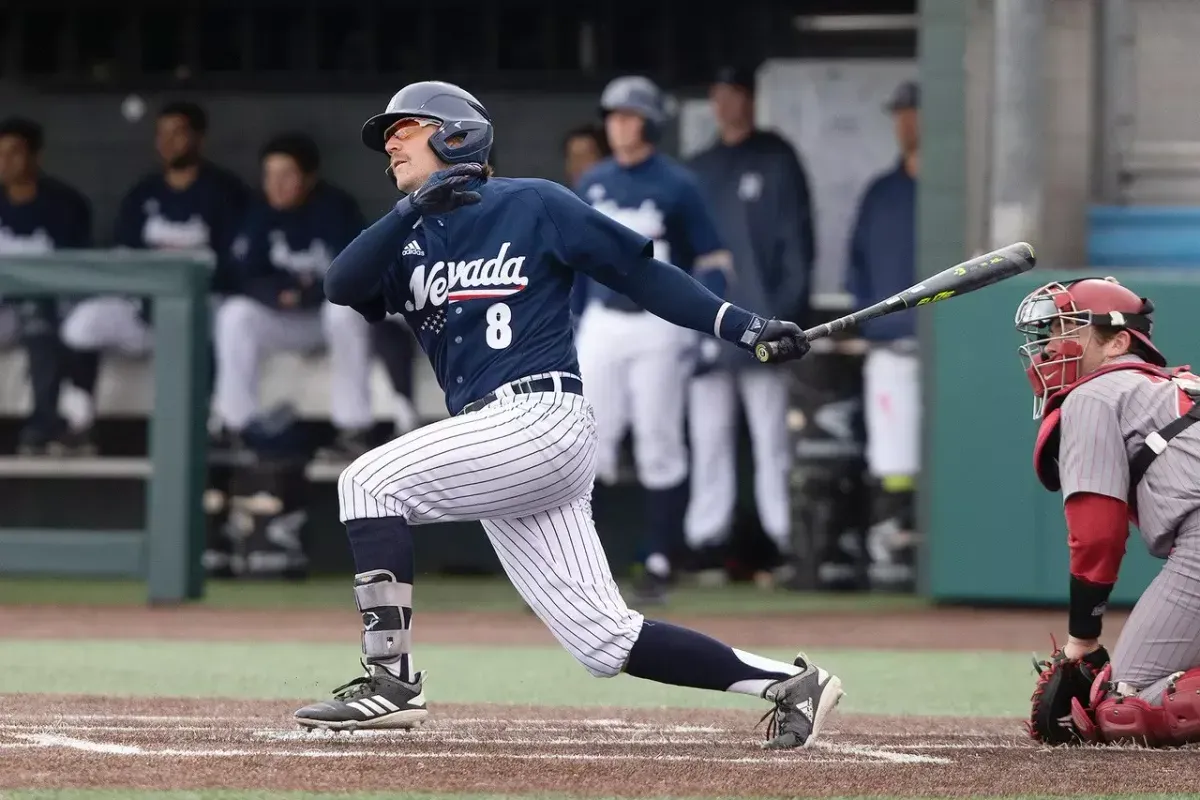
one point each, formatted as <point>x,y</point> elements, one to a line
<point>444,190</point>
<point>1078,648</point>
<point>783,341</point>
<point>289,298</point>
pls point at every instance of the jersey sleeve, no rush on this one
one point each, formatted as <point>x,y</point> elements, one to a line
<point>1092,455</point>
<point>127,228</point>
<point>588,240</point>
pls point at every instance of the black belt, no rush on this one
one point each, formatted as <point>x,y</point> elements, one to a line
<point>569,385</point>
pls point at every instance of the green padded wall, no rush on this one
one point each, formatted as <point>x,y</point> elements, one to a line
<point>995,534</point>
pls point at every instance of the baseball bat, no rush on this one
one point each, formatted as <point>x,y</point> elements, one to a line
<point>956,281</point>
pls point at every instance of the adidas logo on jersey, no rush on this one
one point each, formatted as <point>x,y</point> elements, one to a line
<point>455,281</point>
<point>413,248</point>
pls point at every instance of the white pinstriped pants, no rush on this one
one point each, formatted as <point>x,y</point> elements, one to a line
<point>523,466</point>
<point>1162,634</point>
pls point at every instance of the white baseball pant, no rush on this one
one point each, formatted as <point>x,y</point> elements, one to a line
<point>892,391</point>
<point>247,330</point>
<point>523,466</point>
<point>636,368</point>
<point>712,427</point>
<point>107,323</point>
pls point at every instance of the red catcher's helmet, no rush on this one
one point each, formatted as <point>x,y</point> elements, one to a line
<point>1075,304</point>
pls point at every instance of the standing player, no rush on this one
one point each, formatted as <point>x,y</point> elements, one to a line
<point>1118,439</point>
<point>191,204</point>
<point>482,269</point>
<point>38,214</point>
<point>637,364</point>
<point>883,262</point>
<point>759,193</point>
<point>281,253</point>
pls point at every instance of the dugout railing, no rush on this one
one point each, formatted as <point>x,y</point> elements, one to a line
<point>167,553</point>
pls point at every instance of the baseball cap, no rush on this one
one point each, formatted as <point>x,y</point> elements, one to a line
<point>741,77</point>
<point>907,95</point>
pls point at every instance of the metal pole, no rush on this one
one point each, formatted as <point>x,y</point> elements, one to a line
<point>1113,82</point>
<point>1017,129</point>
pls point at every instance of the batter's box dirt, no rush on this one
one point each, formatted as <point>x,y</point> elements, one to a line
<point>178,744</point>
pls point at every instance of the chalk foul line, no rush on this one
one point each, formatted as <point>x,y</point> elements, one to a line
<point>871,755</point>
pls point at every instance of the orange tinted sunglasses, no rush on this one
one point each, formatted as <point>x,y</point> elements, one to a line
<point>405,128</point>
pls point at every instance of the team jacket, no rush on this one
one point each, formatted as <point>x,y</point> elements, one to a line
<point>280,250</point>
<point>759,195</point>
<point>883,251</point>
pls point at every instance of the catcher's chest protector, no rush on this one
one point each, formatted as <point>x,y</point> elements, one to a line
<point>1045,450</point>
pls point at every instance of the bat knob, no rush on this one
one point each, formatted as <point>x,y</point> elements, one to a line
<point>782,350</point>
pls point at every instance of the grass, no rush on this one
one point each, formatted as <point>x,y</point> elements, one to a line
<point>878,682</point>
<point>434,593</point>
<point>221,794</point>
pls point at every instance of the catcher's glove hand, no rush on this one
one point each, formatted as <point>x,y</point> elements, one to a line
<point>1061,679</point>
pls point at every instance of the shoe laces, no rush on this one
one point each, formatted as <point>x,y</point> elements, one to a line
<point>363,684</point>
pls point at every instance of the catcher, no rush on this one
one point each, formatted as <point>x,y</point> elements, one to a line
<point>1118,438</point>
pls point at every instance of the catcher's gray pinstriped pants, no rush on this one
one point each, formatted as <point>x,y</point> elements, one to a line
<point>1162,635</point>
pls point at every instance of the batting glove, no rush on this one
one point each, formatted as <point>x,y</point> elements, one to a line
<point>445,189</point>
<point>786,339</point>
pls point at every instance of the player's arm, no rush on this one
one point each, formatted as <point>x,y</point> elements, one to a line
<point>713,267</point>
<point>1094,468</point>
<point>614,255</point>
<point>127,228</point>
<point>355,277</point>
<point>797,242</point>
<point>858,274</point>
<point>251,269</point>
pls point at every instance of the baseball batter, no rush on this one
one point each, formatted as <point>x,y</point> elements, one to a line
<point>1117,437</point>
<point>482,270</point>
<point>637,364</point>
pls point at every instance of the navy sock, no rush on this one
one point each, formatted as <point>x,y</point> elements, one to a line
<point>384,572</point>
<point>667,653</point>
<point>664,517</point>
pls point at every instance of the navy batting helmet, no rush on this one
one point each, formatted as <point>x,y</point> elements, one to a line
<point>459,113</point>
<point>640,96</point>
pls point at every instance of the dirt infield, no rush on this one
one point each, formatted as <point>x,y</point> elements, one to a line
<point>64,742</point>
<point>953,629</point>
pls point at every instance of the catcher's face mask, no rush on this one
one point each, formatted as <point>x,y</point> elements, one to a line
<point>1059,324</point>
<point>1055,334</point>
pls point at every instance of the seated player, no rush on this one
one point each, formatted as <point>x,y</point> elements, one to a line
<point>280,256</point>
<point>38,214</point>
<point>1117,438</point>
<point>190,204</point>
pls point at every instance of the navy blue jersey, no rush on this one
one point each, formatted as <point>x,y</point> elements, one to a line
<point>204,216</point>
<point>277,250</point>
<point>58,217</point>
<point>487,287</point>
<point>659,199</point>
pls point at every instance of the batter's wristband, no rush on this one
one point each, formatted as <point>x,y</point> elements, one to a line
<point>1088,604</point>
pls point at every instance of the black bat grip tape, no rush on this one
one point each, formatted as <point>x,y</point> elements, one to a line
<point>781,350</point>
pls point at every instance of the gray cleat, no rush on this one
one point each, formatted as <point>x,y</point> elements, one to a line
<point>376,700</point>
<point>802,703</point>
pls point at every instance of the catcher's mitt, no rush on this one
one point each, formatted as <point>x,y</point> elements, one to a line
<point>1060,680</point>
